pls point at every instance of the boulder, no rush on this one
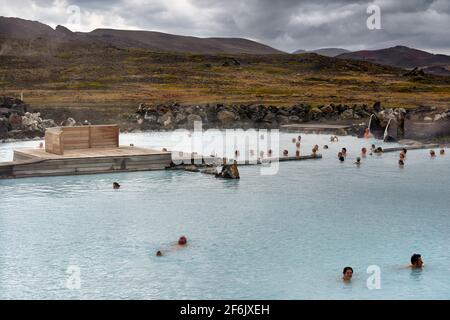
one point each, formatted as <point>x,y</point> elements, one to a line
<point>69,122</point>
<point>4,126</point>
<point>327,109</point>
<point>150,117</point>
<point>294,119</point>
<point>193,118</point>
<point>5,112</point>
<point>180,118</point>
<point>282,119</point>
<point>226,117</point>
<point>48,123</point>
<point>229,171</point>
<point>347,114</point>
<point>15,121</point>
<point>315,113</point>
<point>166,119</point>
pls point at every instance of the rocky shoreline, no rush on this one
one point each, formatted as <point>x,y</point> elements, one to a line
<point>19,122</point>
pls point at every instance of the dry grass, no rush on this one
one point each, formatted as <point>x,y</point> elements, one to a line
<point>122,78</point>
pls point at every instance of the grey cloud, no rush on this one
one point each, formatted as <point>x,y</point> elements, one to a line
<point>287,24</point>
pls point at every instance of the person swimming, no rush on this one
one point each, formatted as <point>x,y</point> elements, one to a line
<point>116,185</point>
<point>285,153</point>
<point>158,253</point>
<point>341,158</point>
<point>402,156</point>
<point>347,274</point>
<point>358,161</point>
<point>442,152</point>
<point>297,145</point>
<point>297,153</point>
<point>416,261</point>
<point>373,147</point>
<point>363,152</point>
<point>325,147</point>
<point>379,150</point>
<point>432,153</point>
<point>182,241</point>
<point>344,152</point>
<point>299,138</point>
<point>401,163</point>
<point>366,133</point>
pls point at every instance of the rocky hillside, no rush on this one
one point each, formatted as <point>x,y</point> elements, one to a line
<point>404,57</point>
<point>19,29</point>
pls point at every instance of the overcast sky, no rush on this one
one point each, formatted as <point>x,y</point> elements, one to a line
<point>287,25</point>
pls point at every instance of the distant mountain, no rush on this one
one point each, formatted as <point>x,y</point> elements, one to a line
<point>15,28</point>
<point>327,52</point>
<point>330,52</point>
<point>403,57</point>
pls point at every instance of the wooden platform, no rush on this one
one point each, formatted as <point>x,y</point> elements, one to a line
<point>38,162</point>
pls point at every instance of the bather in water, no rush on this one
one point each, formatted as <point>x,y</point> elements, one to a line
<point>347,274</point>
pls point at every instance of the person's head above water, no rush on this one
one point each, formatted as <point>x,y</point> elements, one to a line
<point>158,253</point>
<point>358,160</point>
<point>182,241</point>
<point>442,152</point>
<point>405,150</point>
<point>116,185</point>
<point>401,162</point>
<point>432,153</point>
<point>416,261</point>
<point>364,150</point>
<point>347,274</point>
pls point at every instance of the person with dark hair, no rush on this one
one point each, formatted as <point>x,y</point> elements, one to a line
<point>347,274</point>
<point>182,241</point>
<point>325,146</point>
<point>432,153</point>
<point>416,261</point>
<point>364,151</point>
<point>404,150</point>
<point>442,152</point>
<point>379,150</point>
<point>158,253</point>
<point>344,152</point>
<point>341,158</point>
<point>401,163</point>
<point>285,153</point>
<point>116,185</point>
<point>358,161</point>
<point>373,147</point>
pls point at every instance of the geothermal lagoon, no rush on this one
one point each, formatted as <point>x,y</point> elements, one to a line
<point>281,236</point>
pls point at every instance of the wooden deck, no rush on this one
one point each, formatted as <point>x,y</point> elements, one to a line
<point>38,162</point>
<point>25,154</point>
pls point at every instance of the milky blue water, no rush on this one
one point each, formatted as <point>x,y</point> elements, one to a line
<point>283,236</point>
